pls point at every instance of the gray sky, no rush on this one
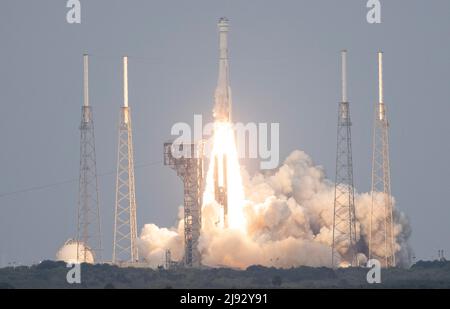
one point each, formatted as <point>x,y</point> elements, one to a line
<point>284,68</point>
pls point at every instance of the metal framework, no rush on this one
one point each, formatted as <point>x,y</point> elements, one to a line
<point>381,227</point>
<point>189,168</point>
<point>125,227</point>
<point>88,225</point>
<point>168,260</point>
<point>344,219</point>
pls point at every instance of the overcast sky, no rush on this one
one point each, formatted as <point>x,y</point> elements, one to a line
<point>284,68</point>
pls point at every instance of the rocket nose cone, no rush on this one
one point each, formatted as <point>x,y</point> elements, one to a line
<point>223,20</point>
<point>223,23</point>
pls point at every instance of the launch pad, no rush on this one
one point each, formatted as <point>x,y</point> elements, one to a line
<point>222,186</point>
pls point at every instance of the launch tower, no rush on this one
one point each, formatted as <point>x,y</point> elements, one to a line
<point>125,228</point>
<point>88,226</point>
<point>344,222</point>
<point>190,169</point>
<point>381,227</point>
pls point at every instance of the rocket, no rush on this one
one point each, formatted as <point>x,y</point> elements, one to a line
<point>222,96</point>
<point>222,113</point>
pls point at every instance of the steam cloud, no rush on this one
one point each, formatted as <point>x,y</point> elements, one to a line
<point>289,223</point>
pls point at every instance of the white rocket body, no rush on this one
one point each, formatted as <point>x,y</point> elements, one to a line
<point>222,96</point>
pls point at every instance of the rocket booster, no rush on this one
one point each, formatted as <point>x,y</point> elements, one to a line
<point>221,185</point>
<point>222,96</point>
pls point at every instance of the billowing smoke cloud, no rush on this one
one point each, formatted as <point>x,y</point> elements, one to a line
<point>289,216</point>
<point>155,241</point>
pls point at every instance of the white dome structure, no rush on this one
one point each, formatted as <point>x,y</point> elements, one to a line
<point>68,252</point>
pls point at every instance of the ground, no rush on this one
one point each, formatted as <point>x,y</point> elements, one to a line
<point>49,274</point>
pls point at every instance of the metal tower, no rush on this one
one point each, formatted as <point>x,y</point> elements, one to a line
<point>88,227</point>
<point>168,260</point>
<point>344,225</point>
<point>381,227</point>
<point>190,169</point>
<point>125,228</point>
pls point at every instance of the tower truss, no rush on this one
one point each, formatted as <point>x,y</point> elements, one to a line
<point>88,226</point>
<point>344,219</point>
<point>187,160</point>
<point>381,215</point>
<point>125,227</point>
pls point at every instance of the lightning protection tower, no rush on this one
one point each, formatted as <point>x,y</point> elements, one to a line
<point>344,222</point>
<point>88,226</point>
<point>381,216</point>
<point>125,228</point>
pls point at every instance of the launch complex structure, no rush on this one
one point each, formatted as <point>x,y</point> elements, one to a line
<point>88,225</point>
<point>191,170</point>
<point>344,217</point>
<point>88,228</point>
<point>345,242</point>
<point>125,227</point>
<point>381,228</point>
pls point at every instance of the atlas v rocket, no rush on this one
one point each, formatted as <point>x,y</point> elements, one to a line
<point>222,113</point>
<point>222,96</point>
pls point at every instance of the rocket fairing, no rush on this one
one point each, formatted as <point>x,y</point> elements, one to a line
<point>222,96</point>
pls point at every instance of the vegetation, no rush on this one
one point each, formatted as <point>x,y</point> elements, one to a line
<point>50,274</point>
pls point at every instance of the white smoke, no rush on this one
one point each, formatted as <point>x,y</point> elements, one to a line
<point>155,241</point>
<point>289,218</point>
